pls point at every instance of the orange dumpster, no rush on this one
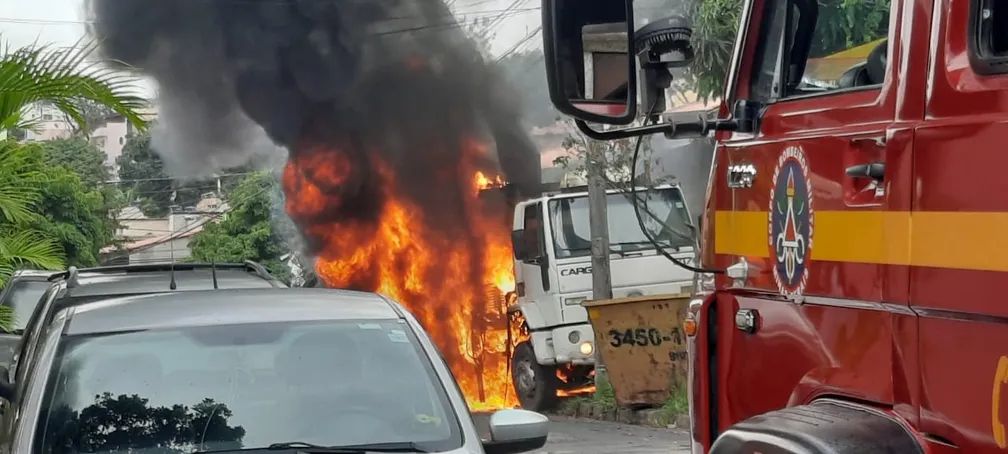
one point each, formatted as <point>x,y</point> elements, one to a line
<point>642,346</point>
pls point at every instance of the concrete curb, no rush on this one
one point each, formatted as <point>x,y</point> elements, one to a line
<point>649,417</point>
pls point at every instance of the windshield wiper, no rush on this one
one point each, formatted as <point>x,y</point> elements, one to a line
<point>397,446</point>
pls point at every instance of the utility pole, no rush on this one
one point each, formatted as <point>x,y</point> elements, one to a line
<point>598,219</point>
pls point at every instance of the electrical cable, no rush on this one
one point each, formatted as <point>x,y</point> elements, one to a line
<point>520,43</point>
<point>636,206</point>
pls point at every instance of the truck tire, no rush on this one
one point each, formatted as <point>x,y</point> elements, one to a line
<point>534,384</point>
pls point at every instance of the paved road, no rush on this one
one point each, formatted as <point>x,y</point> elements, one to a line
<point>570,436</point>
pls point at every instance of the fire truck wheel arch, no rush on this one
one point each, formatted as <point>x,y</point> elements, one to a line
<point>824,427</point>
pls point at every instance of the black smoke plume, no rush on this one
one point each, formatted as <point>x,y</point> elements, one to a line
<point>360,92</point>
<point>396,79</point>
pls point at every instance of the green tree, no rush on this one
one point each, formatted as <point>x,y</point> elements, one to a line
<point>246,231</point>
<point>75,215</point>
<point>20,180</point>
<point>80,213</point>
<point>65,77</point>
<point>617,156</point>
<point>715,29</point>
<point>62,77</point>
<point>80,156</point>
<point>145,180</point>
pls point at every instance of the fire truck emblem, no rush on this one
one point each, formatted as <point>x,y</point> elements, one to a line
<point>791,222</point>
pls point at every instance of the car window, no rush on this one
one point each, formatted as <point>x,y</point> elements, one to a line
<point>24,295</point>
<point>245,386</point>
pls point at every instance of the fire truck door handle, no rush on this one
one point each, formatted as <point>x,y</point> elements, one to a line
<point>874,142</point>
<point>873,170</point>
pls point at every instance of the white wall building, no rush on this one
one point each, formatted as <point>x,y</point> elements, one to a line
<point>50,123</point>
<point>111,136</point>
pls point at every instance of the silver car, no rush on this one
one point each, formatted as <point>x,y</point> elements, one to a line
<point>270,370</point>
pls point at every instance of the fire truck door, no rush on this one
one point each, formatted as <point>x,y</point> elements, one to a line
<point>959,261</point>
<point>810,226</point>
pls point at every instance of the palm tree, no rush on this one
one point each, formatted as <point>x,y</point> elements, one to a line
<point>19,179</point>
<point>66,78</point>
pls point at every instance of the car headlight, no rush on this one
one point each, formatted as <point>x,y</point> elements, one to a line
<point>574,337</point>
<point>587,348</point>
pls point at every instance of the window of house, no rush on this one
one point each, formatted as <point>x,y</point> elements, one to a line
<point>46,116</point>
<point>989,46</point>
<point>813,47</point>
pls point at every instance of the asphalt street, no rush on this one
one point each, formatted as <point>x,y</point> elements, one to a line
<point>570,436</point>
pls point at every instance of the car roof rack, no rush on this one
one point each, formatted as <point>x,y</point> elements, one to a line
<point>71,277</point>
<point>72,273</point>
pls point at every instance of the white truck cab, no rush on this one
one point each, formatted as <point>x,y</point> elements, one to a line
<point>553,274</point>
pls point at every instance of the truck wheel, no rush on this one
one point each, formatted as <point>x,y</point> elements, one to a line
<point>535,384</point>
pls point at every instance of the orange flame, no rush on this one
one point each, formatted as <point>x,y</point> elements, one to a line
<point>454,285</point>
<point>584,390</point>
<point>483,182</point>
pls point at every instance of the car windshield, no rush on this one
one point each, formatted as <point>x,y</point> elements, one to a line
<point>24,295</point>
<point>245,386</point>
<point>667,223</point>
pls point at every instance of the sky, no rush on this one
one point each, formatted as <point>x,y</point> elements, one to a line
<point>63,22</point>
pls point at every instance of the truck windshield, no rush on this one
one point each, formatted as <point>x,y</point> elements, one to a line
<point>245,386</point>
<point>667,223</point>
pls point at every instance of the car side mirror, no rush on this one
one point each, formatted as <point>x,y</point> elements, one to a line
<point>515,431</point>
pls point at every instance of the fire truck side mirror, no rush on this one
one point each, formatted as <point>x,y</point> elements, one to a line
<point>588,61</point>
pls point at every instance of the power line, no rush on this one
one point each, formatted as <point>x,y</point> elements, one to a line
<point>39,21</point>
<point>520,44</point>
<point>501,17</point>
<point>136,180</point>
<point>450,24</point>
<point>30,21</point>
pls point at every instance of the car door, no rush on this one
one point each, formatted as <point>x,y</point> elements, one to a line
<point>809,229</point>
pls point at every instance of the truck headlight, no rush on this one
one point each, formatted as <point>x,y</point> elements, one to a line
<point>587,348</point>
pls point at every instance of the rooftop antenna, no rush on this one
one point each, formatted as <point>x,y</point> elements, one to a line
<point>171,238</point>
<point>213,272</point>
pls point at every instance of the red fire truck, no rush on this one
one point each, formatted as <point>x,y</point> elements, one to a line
<point>854,215</point>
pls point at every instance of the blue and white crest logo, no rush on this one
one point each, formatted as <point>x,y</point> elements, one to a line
<point>791,222</point>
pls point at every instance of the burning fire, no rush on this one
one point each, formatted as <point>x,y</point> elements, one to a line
<point>452,278</point>
<point>484,182</point>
